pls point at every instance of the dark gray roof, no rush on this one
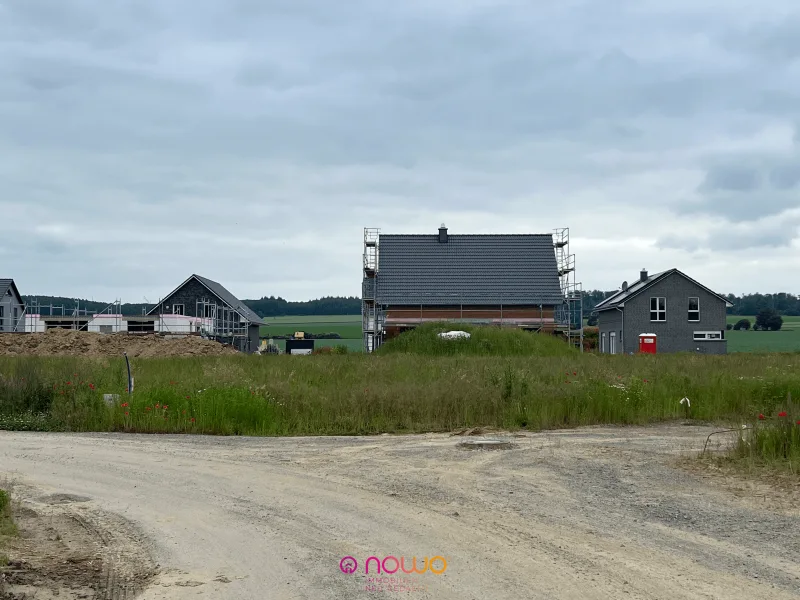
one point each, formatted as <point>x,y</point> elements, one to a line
<point>223,294</point>
<point>639,286</point>
<point>230,299</point>
<point>468,269</point>
<point>5,285</point>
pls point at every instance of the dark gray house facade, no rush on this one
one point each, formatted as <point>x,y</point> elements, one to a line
<point>232,321</point>
<point>684,315</point>
<point>12,308</point>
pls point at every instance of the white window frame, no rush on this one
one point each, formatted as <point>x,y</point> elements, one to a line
<point>603,343</point>
<point>690,310</point>
<point>175,309</point>
<point>709,336</point>
<point>659,312</point>
<point>612,342</point>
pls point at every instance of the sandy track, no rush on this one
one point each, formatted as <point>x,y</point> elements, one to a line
<point>592,513</point>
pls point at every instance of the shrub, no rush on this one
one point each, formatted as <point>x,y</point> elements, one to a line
<point>769,319</point>
<point>742,324</point>
<point>729,326</point>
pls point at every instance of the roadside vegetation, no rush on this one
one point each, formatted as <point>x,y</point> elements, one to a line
<point>418,383</point>
<point>7,527</point>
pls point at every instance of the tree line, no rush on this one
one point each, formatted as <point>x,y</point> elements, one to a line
<point>747,305</point>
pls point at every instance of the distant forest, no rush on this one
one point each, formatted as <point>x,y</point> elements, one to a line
<point>747,305</point>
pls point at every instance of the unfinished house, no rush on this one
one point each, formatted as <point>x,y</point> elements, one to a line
<point>12,308</point>
<point>512,280</point>
<point>202,306</point>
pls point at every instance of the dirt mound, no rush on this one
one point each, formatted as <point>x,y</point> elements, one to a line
<point>66,342</point>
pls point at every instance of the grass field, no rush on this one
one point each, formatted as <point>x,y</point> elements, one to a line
<point>347,326</point>
<point>495,379</point>
<point>785,340</point>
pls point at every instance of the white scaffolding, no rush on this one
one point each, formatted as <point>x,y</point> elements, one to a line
<point>570,315</point>
<point>371,313</point>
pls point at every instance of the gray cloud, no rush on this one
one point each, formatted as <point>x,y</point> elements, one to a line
<point>201,136</point>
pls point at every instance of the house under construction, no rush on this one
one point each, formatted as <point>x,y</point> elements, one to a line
<point>514,280</point>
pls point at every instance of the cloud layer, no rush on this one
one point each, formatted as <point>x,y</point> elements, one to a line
<point>251,141</point>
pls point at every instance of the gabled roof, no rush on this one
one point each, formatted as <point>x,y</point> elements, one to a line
<point>639,286</point>
<point>5,285</point>
<point>223,294</point>
<point>467,269</point>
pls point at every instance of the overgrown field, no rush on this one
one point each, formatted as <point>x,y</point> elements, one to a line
<point>495,379</point>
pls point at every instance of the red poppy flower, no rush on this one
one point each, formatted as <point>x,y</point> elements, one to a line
<point>187,397</point>
<point>798,422</point>
<point>192,419</point>
<point>166,407</point>
<point>782,414</point>
<point>761,417</point>
<point>147,408</point>
<point>574,372</point>
<point>126,413</point>
<point>69,383</point>
<point>158,405</point>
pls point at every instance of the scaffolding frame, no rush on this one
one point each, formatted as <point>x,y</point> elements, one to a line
<point>64,313</point>
<point>371,311</point>
<point>570,314</point>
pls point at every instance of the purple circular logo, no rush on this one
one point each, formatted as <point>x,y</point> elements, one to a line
<point>348,565</point>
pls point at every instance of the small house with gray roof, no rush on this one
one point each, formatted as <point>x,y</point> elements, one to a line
<point>490,279</point>
<point>682,314</point>
<point>219,313</point>
<point>12,307</point>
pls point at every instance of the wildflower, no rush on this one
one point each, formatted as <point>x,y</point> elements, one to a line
<point>192,419</point>
<point>782,414</point>
<point>147,408</point>
<point>574,372</point>
<point>69,383</point>
<point>91,386</point>
<point>761,417</point>
<point>798,422</point>
<point>124,404</point>
<point>645,380</point>
<point>165,407</point>
<point>187,397</point>
<point>158,405</point>
<point>127,413</point>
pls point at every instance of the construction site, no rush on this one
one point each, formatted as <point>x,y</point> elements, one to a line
<point>526,281</point>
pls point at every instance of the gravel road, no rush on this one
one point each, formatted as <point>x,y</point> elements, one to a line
<point>584,514</point>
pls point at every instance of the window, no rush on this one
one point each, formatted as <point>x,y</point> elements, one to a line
<point>612,342</point>
<point>1,317</point>
<point>602,342</point>
<point>106,329</point>
<point>177,309</point>
<point>209,311</point>
<point>701,336</point>
<point>694,308</point>
<point>658,309</point>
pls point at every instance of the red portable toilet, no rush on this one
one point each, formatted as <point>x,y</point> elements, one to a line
<point>647,343</point>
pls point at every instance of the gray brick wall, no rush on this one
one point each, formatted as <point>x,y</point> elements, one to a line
<point>188,295</point>
<point>611,321</point>
<point>8,304</point>
<point>676,334</point>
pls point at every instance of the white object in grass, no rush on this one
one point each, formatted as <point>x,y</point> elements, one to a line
<point>685,401</point>
<point>454,335</point>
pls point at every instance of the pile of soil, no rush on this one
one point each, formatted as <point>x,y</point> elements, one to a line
<point>67,342</point>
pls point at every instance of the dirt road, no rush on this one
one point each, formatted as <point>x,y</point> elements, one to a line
<point>588,514</point>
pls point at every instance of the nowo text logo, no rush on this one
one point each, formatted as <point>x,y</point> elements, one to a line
<point>391,565</point>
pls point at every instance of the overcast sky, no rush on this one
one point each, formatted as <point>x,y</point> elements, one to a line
<point>251,141</point>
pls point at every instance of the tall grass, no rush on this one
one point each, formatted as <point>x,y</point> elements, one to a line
<point>391,392</point>
<point>483,341</point>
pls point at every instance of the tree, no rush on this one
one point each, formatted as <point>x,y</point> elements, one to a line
<point>592,321</point>
<point>742,324</point>
<point>768,319</point>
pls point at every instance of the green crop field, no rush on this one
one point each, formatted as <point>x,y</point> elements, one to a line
<point>347,326</point>
<point>785,340</point>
